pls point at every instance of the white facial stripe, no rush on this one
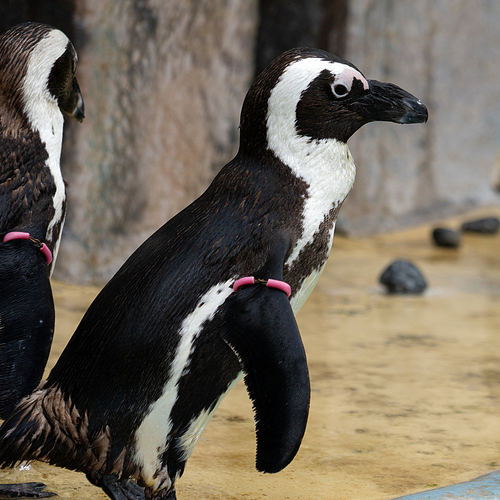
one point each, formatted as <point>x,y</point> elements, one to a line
<point>43,112</point>
<point>347,76</point>
<point>154,429</point>
<point>343,82</point>
<point>326,165</point>
<point>40,64</point>
<point>287,92</point>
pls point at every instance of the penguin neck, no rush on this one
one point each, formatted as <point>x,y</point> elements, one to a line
<point>46,119</point>
<point>327,167</point>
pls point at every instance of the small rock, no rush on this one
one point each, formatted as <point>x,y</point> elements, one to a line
<point>403,277</point>
<point>444,237</point>
<point>487,225</point>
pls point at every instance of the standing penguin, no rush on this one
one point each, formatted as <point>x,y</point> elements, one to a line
<point>37,81</point>
<point>211,296</point>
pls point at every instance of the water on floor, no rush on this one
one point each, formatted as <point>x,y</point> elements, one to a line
<point>405,390</point>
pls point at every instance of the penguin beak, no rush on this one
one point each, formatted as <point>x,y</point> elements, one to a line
<point>390,103</point>
<point>79,112</point>
<point>74,106</point>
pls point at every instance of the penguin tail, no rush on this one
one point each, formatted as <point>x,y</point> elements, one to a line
<point>47,427</point>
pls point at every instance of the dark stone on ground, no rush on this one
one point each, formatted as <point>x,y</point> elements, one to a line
<point>487,225</point>
<point>444,237</point>
<point>402,277</point>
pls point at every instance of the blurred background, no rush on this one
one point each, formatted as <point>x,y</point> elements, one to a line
<point>164,80</point>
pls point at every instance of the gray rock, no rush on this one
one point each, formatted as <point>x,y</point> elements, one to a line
<point>163,84</point>
<point>444,237</point>
<point>487,225</point>
<point>409,175</point>
<point>285,24</point>
<point>402,277</point>
<point>485,487</point>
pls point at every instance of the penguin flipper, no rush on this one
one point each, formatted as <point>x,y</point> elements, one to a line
<point>26,321</point>
<point>262,331</point>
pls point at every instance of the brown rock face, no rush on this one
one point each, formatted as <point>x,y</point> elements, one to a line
<point>163,85</point>
<point>164,80</point>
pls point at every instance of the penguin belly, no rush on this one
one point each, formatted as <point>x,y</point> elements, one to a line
<point>202,373</point>
<point>298,300</point>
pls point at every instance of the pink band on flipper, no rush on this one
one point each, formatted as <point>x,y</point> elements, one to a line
<point>250,280</point>
<point>18,235</point>
<point>280,285</point>
<point>46,251</point>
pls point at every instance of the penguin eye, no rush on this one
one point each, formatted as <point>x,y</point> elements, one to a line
<point>341,86</point>
<point>340,90</point>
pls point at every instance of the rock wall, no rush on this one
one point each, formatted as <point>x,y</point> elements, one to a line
<point>447,53</point>
<point>164,80</point>
<point>163,83</point>
<point>285,24</point>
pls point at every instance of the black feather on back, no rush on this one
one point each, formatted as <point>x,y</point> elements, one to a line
<point>26,321</point>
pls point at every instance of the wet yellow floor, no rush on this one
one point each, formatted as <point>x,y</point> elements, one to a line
<point>405,390</point>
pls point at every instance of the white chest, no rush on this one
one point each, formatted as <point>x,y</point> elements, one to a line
<point>325,165</point>
<point>151,436</point>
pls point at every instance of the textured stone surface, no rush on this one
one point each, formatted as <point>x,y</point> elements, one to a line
<point>448,54</point>
<point>486,487</point>
<point>403,277</point>
<point>163,83</point>
<point>285,24</point>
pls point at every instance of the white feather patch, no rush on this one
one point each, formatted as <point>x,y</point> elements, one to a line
<point>298,300</point>
<point>326,165</point>
<point>151,435</point>
<point>43,111</point>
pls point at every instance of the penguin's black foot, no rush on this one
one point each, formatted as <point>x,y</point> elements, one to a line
<point>24,490</point>
<point>161,495</point>
<point>121,489</point>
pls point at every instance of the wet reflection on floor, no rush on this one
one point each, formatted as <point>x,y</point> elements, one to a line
<point>406,390</point>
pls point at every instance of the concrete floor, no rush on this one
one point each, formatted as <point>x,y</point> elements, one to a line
<point>406,390</point>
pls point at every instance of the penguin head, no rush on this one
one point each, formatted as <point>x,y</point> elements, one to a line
<point>309,94</point>
<point>38,65</point>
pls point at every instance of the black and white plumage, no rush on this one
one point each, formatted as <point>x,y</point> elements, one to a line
<point>168,337</point>
<point>37,81</point>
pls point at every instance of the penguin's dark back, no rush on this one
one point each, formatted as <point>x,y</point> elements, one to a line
<point>26,187</point>
<point>27,320</point>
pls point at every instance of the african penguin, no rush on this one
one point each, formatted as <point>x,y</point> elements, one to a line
<point>176,328</point>
<point>37,82</point>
